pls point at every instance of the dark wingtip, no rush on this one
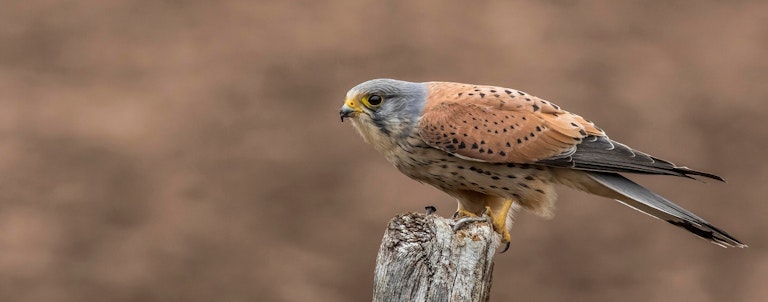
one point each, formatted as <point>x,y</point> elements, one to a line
<point>709,232</point>
<point>687,172</point>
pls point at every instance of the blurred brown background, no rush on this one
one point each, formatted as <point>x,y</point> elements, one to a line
<point>192,150</point>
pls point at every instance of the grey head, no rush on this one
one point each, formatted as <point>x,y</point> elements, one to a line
<point>390,106</point>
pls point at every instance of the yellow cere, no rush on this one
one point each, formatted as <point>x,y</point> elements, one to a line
<point>354,105</point>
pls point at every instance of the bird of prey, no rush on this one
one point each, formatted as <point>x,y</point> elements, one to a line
<point>498,149</point>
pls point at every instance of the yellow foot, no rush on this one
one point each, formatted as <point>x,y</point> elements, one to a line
<point>499,220</point>
<point>461,213</point>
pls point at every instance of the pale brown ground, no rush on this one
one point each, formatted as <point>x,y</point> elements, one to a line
<point>191,150</point>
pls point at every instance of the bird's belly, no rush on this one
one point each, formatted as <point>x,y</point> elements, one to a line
<point>530,185</point>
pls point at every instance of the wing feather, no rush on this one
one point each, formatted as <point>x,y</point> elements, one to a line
<point>496,124</point>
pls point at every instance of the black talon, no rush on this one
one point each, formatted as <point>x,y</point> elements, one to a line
<point>505,248</point>
<point>430,209</point>
<point>467,220</point>
<point>455,214</point>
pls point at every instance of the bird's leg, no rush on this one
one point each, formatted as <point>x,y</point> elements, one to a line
<point>499,218</point>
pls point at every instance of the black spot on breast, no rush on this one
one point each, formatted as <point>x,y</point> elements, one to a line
<point>460,167</point>
<point>481,150</point>
<point>521,93</point>
<point>582,132</point>
<point>524,185</point>
<point>508,91</point>
<point>511,176</point>
<point>456,141</point>
<point>482,95</point>
<point>462,145</point>
<point>519,141</point>
<point>502,153</point>
<point>490,151</point>
<point>508,145</point>
<point>495,177</point>
<point>460,93</point>
<point>474,146</point>
<point>529,177</point>
<point>540,191</point>
<point>511,165</point>
<point>538,128</point>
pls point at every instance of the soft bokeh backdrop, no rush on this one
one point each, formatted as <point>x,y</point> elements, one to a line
<point>192,151</point>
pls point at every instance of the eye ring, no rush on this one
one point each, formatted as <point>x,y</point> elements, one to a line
<point>375,100</point>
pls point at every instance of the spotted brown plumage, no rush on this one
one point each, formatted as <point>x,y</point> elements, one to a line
<point>496,124</point>
<point>497,149</point>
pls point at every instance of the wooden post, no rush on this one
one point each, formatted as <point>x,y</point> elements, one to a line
<point>422,258</point>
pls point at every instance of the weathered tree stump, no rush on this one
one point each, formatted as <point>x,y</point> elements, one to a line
<point>423,259</point>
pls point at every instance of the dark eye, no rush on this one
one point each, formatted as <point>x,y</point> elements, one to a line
<point>375,100</point>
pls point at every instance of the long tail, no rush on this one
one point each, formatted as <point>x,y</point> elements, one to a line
<point>643,200</point>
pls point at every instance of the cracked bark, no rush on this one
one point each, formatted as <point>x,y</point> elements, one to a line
<point>421,258</point>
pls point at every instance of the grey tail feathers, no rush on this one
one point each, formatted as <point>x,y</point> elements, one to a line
<point>642,199</point>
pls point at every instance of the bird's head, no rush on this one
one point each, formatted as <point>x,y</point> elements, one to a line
<point>384,109</point>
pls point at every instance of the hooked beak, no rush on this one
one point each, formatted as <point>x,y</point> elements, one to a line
<point>350,109</point>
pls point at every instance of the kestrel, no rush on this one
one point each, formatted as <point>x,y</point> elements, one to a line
<point>497,149</point>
